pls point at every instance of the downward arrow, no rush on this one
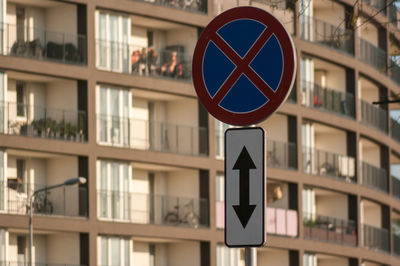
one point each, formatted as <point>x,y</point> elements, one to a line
<point>244,210</point>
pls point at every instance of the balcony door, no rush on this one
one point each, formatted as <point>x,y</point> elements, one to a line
<point>113,31</point>
<point>114,251</point>
<point>3,246</point>
<point>115,187</point>
<point>307,134</point>
<point>114,127</point>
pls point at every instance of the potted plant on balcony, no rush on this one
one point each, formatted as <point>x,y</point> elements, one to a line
<point>70,131</point>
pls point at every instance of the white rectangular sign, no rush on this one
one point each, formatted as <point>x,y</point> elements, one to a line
<point>245,187</point>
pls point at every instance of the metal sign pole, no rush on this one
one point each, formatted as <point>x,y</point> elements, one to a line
<point>250,256</point>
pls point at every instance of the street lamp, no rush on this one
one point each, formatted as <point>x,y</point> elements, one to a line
<point>69,182</point>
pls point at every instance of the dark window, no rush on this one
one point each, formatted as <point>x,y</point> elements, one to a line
<point>20,99</point>
<point>20,175</point>
<point>20,24</point>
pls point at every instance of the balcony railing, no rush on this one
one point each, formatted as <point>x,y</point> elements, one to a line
<point>324,228</point>
<point>374,116</point>
<point>281,154</point>
<point>63,201</point>
<point>395,129</point>
<point>395,71</point>
<point>188,5</point>
<point>315,30</point>
<point>395,187</point>
<point>394,14</point>
<point>43,44</point>
<point>38,121</point>
<point>327,99</point>
<point>374,177</point>
<point>126,58</point>
<point>282,222</point>
<point>375,238</point>
<point>372,55</point>
<point>23,263</point>
<point>152,135</point>
<point>396,244</point>
<point>377,4</point>
<point>318,162</point>
<point>153,209</point>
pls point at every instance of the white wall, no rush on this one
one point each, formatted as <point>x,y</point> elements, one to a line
<point>370,153</point>
<point>371,214</point>
<point>63,248</point>
<point>183,183</point>
<point>326,14</point>
<point>276,127</point>
<point>334,141</point>
<point>184,254</point>
<point>327,205</point>
<point>140,204</point>
<point>183,36</point>
<point>141,253</point>
<point>273,257</point>
<point>62,18</point>
<point>62,95</point>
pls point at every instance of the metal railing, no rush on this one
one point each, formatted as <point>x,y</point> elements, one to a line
<point>63,201</point>
<point>375,238</point>
<point>318,162</point>
<point>372,55</point>
<point>315,30</point>
<point>395,70</point>
<point>330,229</point>
<point>126,58</point>
<point>374,177</point>
<point>187,5</point>
<point>393,14</point>
<point>151,135</point>
<point>328,99</point>
<point>395,187</point>
<point>374,116</point>
<point>396,244</point>
<point>281,154</point>
<point>395,129</point>
<point>153,209</point>
<point>39,121</point>
<point>43,44</point>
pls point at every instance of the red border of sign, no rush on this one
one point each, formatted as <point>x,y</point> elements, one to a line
<point>289,66</point>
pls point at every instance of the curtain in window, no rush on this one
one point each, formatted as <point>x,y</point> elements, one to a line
<point>307,80</point>
<point>309,259</point>
<point>102,56</point>
<point>114,251</point>
<point>2,25</point>
<point>220,128</point>
<point>227,256</point>
<point>309,203</point>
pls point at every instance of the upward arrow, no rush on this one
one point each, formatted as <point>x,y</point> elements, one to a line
<point>244,210</point>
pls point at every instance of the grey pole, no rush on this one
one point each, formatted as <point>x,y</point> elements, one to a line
<point>250,256</point>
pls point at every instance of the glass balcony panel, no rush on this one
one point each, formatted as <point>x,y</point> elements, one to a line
<point>45,45</point>
<point>153,209</point>
<point>325,228</point>
<point>375,238</point>
<point>187,5</point>
<point>328,99</point>
<point>63,201</point>
<point>281,154</point>
<point>374,116</point>
<point>372,55</point>
<point>318,162</point>
<point>130,59</point>
<point>395,70</point>
<point>38,121</point>
<point>282,222</point>
<point>396,187</point>
<point>395,129</point>
<point>374,177</point>
<point>318,31</point>
<point>396,244</point>
<point>152,135</point>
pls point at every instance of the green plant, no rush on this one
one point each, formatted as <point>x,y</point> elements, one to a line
<point>70,130</point>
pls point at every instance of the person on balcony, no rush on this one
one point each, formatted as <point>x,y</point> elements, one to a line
<point>172,68</point>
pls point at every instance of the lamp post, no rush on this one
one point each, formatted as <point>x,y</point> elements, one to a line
<point>69,182</point>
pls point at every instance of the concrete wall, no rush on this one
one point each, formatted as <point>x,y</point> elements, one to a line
<point>368,32</point>
<point>325,14</point>
<point>183,254</point>
<point>371,214</point>
<point>276,127</point>
<point>61,19</point>
<point>39,250</point>
<point>368,91</point>
<point>140,204</point>
<point>332,261</point>
<point>183,183</point>
<point>63,248</point>
<point>273,257</point>
<point>333,141</point>
<point>327,205</point>
<point>183,36</point>
<point>370,153</point>
<point>140,116</point>
<point>141,254</point>
<point>138,37</point>
<point>368,263</point>
<point>62,95</point>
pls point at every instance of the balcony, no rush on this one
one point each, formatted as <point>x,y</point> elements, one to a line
<point>396,244</point>
<point>129,59</point>
<point>281,154</point>
<point>377,4</point>
<point>396,187</point>
<point>323,163</point>
<point>45,45</point>
<point>153,209</point>
<point>282,222</point>
<point>394,14</point>
<point>395,71</point>
<point>374,116</point>
<point>329,229</point>
<point>375,238</point>
<point>151,135</point>
<point>199,6</point>
<point>44,122</point>
<point>338,102</point>
<point>374,177</point>
<point>63,201</point>
<point>318,31</point>
<point>372,55</point>
<point>395,129</point>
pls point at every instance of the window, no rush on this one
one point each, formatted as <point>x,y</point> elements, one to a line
<point>220,189</point>
<point>309,259</point>
<point>3,244</point>
<point>21,248</point>
<point>113,49</point>
<point>114,184</point>
<point>20,23</point>
<point>228,256</point>
<point>114,116</point>
<point>20,90</point>
<point>220,128</point>
<point>3,170</point>
<point>114,251</point>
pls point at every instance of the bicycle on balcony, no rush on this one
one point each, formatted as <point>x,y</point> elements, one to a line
<point>183,215</point>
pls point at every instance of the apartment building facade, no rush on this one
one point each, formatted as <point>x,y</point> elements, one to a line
<point>102,90</point>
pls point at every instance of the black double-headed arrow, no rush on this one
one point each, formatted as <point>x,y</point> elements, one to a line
<point>244,210</point>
